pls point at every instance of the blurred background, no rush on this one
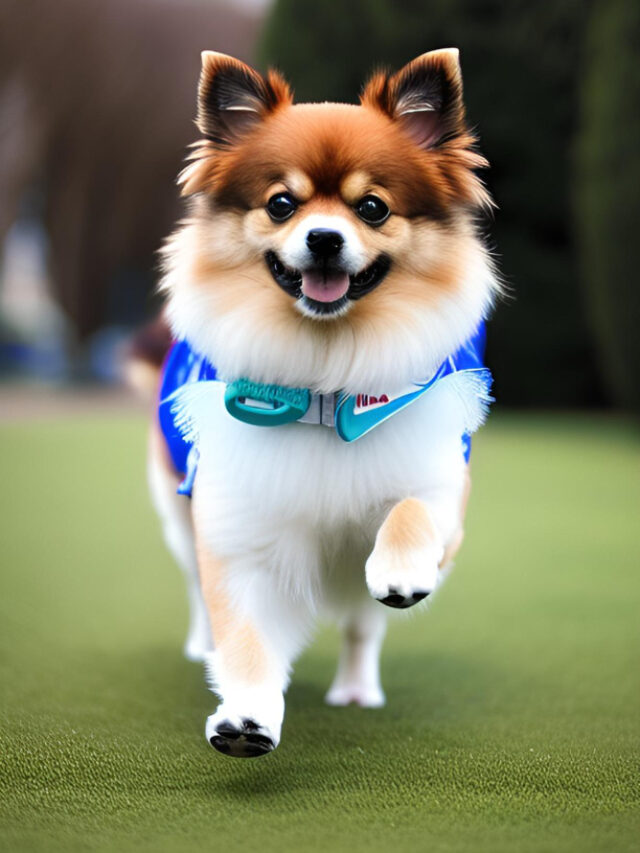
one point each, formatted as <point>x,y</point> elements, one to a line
<point>512,721</point>
<point>96,108</point>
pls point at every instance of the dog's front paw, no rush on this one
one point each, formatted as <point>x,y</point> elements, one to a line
<point>240,737</point>
<point>248,724</point>
<point>401,579</point>
<point>401,601</point>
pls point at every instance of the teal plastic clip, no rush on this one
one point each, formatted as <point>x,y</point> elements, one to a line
<point>265,405</point>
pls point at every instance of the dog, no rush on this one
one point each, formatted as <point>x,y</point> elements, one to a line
<point>327,293</point>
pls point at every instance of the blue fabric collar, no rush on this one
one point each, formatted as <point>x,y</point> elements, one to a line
<point>273,405</point>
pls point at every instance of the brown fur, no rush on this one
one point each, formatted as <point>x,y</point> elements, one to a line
<point>428,258</point>
<point>159,452</point>
<point>325,141</point>
<point>328,156</point>
<point>235,638</point>
<point>454,545</point>
<point>408,526</point>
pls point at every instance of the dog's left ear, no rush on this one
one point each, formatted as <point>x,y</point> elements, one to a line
<point>424,97</point>
<point>233,98</point>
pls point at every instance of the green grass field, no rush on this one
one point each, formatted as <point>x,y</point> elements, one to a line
<point>512,721</point>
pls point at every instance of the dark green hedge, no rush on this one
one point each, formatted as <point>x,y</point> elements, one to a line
<point>608,193</point>
<point>521,63</point>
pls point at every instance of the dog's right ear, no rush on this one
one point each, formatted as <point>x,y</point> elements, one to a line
<point>233,98</point>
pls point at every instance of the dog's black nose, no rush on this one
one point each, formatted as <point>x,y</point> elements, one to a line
<point>324,243</point>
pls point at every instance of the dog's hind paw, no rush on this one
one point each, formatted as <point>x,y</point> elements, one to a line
<point>340,695</point>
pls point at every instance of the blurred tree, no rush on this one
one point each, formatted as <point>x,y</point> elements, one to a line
<point>521,67</point>
<point>608,193</point>
<point>97,102</point>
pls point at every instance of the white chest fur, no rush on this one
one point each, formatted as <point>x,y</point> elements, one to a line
<point>297,498</point>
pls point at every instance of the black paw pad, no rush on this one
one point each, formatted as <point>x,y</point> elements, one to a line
<point>401,602</point>
<point>419,595</point>
<point>241,742</point>
<point>228,730</point>
<point>394,600</point>
<point>220,743</point>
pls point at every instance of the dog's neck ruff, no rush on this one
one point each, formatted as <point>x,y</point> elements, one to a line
<point>265,405</point>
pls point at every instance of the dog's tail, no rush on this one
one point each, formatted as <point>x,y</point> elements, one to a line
<point>145,355</point>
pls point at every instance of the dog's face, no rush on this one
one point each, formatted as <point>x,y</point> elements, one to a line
<point>357,216</point>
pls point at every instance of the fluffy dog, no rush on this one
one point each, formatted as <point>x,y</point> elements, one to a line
<point>327,293</point>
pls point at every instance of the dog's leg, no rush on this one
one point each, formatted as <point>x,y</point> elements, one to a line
<point>358,676</point>
<point>403,566</point>
<point>257,631</point>
<point>175,513</point>
<point>454,543</point>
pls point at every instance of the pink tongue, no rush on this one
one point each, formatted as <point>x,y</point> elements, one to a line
<point>316,286</point>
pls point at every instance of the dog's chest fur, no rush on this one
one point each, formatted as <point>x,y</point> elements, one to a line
<point>300,499</point>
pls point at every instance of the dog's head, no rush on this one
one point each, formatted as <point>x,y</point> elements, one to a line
<point>317,227</point>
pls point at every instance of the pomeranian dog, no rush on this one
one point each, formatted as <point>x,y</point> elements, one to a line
<point>326,295</point>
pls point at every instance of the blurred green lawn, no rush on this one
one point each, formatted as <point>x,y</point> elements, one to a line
<point>512,722</point>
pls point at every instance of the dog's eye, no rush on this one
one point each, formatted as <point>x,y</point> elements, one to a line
<point>281,206</point>
<point>372,210</point>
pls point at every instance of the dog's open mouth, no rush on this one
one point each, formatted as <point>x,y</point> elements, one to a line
<point>327,290</point>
